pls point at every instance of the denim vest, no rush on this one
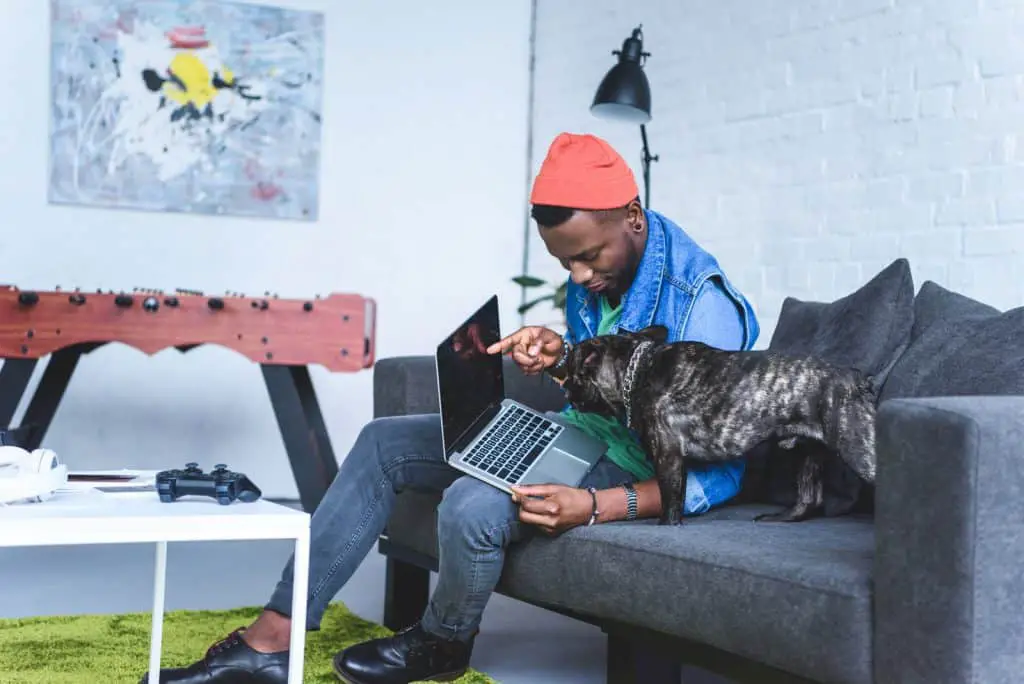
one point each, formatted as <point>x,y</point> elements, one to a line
<point>669,277</point>
<point>671,272</point>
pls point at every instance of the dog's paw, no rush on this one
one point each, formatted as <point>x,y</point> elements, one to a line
<point>670,519</point>
<point>795,514</point>
<point>770,517</point>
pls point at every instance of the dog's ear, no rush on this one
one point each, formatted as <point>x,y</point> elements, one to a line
<point>655,333</point>
<point>591,353</point>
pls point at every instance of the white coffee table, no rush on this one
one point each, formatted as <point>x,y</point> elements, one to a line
<point>84,517</point>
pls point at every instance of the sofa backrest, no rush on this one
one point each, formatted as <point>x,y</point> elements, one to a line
<point>959,346</point>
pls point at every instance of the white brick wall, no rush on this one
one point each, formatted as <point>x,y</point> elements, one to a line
<point>807,143</point>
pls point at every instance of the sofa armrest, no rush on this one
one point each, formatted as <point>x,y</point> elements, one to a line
<point>949,521</point>
<point>406,385</point>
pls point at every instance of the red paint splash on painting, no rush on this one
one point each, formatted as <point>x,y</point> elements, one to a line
<point>125,24</point>
<point>263,190</point>
<point>188,37</point>
<point>126,21</point>
<point>266,191</point>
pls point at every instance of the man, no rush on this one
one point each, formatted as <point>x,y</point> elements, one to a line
<point>628,268</point>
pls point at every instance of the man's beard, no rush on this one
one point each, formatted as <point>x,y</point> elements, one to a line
<point>622,281</point>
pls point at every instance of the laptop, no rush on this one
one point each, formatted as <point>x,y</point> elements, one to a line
<point>495,439</point>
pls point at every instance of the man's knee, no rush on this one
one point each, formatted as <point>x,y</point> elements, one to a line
<point>371,438</point>
<point>477,513</point>
<point>393,437</point>
<point>385,443</point>
<point>376,430</point>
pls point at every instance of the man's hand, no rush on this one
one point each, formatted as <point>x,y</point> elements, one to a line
<point>559,508</point>
<point>533,348</point>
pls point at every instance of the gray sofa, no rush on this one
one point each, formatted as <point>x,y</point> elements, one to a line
<point>915,580</point>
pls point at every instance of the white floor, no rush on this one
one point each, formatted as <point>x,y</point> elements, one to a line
<point>518,644</point>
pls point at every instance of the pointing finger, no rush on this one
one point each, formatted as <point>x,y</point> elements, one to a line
<point>503,345</point>
<point>498,347</point>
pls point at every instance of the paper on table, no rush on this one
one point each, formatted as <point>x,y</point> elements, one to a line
<point>111,479</point>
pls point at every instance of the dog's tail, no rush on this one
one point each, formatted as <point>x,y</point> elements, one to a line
<point>872,384</point>
<point>869,387</point>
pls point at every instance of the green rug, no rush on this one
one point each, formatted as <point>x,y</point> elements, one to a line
<point>111,649</point>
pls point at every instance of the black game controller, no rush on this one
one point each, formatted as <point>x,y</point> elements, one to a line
<point>221,484</point>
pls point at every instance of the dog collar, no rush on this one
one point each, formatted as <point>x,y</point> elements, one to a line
<point>627,383</point>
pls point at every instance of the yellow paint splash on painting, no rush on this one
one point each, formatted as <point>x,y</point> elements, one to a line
<point>196,78</point>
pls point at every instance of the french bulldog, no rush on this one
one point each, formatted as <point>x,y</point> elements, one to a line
<point>691,402</point>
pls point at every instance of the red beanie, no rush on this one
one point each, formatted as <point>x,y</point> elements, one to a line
<point>583,172</point>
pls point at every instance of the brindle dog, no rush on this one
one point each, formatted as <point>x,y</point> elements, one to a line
<point>688,401</point>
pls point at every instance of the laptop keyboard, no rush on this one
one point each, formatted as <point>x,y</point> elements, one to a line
<point>511,446</point>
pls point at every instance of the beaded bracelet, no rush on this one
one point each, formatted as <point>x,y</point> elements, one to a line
<point>594,511</point>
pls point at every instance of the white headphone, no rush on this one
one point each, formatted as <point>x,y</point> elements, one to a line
<point>30,476</point>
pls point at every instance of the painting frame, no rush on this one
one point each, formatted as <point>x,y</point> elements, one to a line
<point>209,107</point>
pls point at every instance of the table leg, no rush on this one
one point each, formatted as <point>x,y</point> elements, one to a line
<point>157,629</point>
<point>50,390</point>
<point>300,589</point>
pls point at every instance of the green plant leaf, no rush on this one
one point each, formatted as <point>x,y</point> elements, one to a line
<point>558,299</point>
<point>529,305</point>
<point>528,281</point>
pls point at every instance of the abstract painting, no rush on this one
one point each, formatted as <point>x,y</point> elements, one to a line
<point>186,105</point>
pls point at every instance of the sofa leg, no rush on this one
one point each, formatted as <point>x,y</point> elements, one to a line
<point>656,668</point>
<point>406,593</point>
<point>630,663</point>
<point>620,663</point>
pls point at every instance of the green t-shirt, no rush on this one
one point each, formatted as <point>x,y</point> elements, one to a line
<point>623,449</point>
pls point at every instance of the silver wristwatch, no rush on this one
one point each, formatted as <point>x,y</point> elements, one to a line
<point>631,508</point>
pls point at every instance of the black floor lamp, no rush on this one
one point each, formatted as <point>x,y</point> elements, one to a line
<point>625,95</point>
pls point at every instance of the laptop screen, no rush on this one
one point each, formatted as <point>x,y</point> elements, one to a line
<point>469,380</point>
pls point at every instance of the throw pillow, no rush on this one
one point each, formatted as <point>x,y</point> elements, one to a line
<point>866,329</point>
<point>959,347</point>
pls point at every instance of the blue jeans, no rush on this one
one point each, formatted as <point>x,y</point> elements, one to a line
<point>475,522</point>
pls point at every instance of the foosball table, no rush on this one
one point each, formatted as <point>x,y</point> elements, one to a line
<point>284,336</point>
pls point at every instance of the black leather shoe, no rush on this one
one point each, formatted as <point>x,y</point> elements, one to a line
<point>230,661</point>
<point>411,655</point>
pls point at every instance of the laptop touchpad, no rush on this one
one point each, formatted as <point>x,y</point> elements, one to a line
<point>557,467</point>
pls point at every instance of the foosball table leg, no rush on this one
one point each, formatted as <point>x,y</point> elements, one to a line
<point>303,431</point>
<point>47,397</point>
<point>14,378</point>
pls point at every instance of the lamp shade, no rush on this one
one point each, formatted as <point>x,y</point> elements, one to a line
<point>624,93</point>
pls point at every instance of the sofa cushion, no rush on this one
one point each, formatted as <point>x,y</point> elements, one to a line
<point>793,596</point>
<point>867,329</point>
<point>959,346</point>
